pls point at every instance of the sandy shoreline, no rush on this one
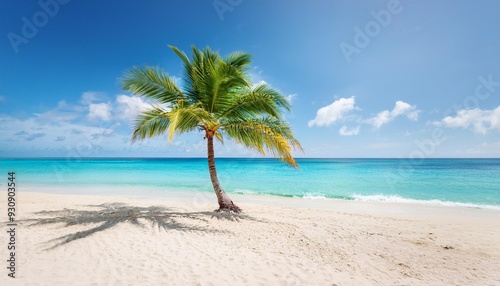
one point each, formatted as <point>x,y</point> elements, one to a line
<point>106,240</point>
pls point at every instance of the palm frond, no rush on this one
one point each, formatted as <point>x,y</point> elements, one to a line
<point>187,118</point>
<point>181,55</point>
<point>278,98</point>
<point>257,101</point>
<point>151,123</point>
<point>153,83</point>
<point>219,137</point>
<point>238,60</point>
<point>189,73</point>
<point>265,134</point>
<point>212,81</point>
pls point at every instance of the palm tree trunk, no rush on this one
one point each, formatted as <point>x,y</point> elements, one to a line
<point>225,203</point>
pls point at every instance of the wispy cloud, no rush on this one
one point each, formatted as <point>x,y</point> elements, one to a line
<point>290,97</point>
<point>123,108</point>
<point>256,75</point>
<point>480,121</point>
<point>99,111</point>
<point>401,108</point>
<point>62,112</point>
<point>28,136</point>
<point>90,97</point>
<point>485,149</point>
<point>129,106</point>
<point>346,131</point>
<point>88,127</point>
<point>34,136</point>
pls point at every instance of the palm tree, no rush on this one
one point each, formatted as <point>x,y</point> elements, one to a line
<point>218,99</point>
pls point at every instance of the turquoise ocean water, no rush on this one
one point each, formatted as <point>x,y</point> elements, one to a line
<point>469,182</point>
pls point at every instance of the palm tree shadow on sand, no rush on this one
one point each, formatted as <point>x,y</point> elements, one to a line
<point>110,215</point>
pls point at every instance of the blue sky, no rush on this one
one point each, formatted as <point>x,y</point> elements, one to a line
<point>403,79</point>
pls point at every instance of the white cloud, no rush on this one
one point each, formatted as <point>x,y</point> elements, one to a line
<point>480,121</point>
<point>129,106</point>
<point>123,108</point>
<point>334,112</point>
<point>401,108</point>
<point>99,111</point>
<point>89,97</point>
<point>91,106</point>
<point>30,137</point>
<point>3,98</point>
<point>65,131</point>
<point>381,118</point>
<point>63,112</point>
<point>290,97</point>
<point>23,132</point>
<point>345,131</point>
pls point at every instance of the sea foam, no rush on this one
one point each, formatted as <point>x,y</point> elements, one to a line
<point>398,199</point>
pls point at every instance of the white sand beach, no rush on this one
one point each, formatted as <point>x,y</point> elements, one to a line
<point>103,240</point>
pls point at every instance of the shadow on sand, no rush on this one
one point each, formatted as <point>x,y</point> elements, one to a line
<point>110,215</point>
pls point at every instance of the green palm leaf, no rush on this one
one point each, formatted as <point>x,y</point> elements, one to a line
<point>188,118</point>
<point>269,134</point>
<point>256,101</point>
<point>151,123</point>
<point>152,83</point>
<point>238,60</point>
